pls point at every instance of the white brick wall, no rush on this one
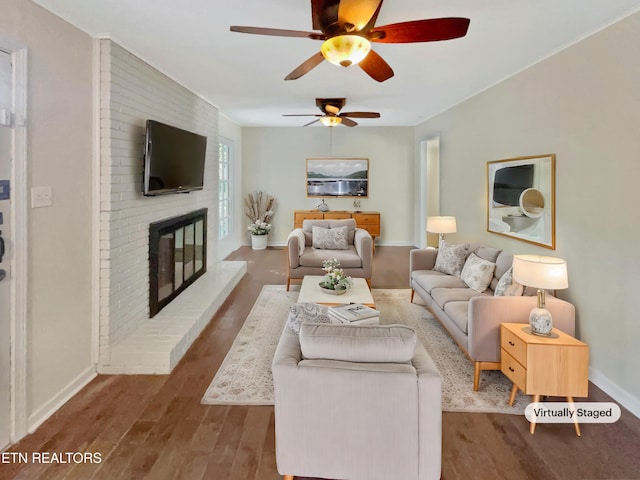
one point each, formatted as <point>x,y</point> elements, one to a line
<point>131,92</point>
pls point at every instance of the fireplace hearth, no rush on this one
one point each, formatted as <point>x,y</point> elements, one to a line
<point>177,256</point>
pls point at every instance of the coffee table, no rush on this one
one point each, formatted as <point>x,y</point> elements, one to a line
<point>359,293</point>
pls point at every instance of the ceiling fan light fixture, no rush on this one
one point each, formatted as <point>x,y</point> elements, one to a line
<point>330,121</point>
<point>345,50</point>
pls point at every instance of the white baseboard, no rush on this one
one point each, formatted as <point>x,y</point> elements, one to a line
<point>42,413</point>
<point>614,390</point>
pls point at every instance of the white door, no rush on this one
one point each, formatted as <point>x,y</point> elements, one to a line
<point>6,81</point>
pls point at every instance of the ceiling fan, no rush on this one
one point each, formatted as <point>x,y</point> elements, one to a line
<point>331,115</point>
<point>348,27</point>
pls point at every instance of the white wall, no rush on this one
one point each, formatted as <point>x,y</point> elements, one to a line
<point>583,105</point>
<point>59,152</point>
<point>274,161</point>
<point>131,92</point>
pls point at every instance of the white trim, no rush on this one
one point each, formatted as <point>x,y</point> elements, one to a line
<point>95,208</point>
<point>19,222</point>
<point>615,391</point>
<point>50,407</point>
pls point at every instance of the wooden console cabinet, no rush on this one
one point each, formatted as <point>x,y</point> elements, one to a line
<point>370,221</point>
<point>556,366</point>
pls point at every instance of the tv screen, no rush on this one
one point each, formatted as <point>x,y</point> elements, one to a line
<point>173,160</point>
<point>510,182</point>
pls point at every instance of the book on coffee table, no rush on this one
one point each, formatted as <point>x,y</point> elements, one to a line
<point>352,312</point>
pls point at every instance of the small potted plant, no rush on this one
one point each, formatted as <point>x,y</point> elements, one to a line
<point>335,282</point>
<point>259,231</point>
<point>259,208</point>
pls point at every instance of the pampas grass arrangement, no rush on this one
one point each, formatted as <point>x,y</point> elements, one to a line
<point>259,206</point>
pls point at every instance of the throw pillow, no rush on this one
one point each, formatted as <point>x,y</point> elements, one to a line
<point>507,286</point>
<point>300,313</point>
<point>330,238</point>
<point>477,273</point>
<point>450,258</point>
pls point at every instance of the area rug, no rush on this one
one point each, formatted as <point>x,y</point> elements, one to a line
<point>244,378</point>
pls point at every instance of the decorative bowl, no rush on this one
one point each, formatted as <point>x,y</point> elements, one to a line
<point>331,291</point>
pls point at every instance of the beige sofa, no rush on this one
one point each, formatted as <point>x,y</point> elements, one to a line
<point>472,318</point>
<point>361,402</point>
<point>356,260</point>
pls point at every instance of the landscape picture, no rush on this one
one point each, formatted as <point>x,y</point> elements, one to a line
<point>337,177</point>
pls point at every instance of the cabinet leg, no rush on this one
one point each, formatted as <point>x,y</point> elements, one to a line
<point>575,419</point>
<point>532,427</point>
<point>514,392</point>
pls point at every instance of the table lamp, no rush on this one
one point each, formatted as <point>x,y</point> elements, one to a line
<point>543,273</point>
<point>441,225</point>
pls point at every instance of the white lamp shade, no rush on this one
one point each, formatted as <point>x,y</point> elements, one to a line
<point>548,273</point>
<point>441,224</point>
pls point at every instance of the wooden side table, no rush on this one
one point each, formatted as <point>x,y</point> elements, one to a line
<point>557,365</point>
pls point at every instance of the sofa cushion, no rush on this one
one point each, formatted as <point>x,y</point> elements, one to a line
<point>303,312</point>
<point>503,263</point>
<point>430,279</point>
<point>477,272</point>
<point>451,258</point>
<point>348,258</point>
<point>442,296</point>
<point>458,312</point>
<point>329,238</point>
<point>350,223</point>
<point>507,286</point>
<point>485,252</point>
<point>358,343</point>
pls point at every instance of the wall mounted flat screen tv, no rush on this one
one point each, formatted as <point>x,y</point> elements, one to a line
<point>173,160</point>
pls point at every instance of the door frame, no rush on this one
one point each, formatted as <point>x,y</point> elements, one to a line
<point>19,239</point>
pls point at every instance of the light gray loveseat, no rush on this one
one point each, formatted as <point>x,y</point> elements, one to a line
<point>356,259</point>
<point>472,318</point>
<point>359,402</point>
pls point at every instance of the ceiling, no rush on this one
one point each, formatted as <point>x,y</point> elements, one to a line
<point>243,75</point>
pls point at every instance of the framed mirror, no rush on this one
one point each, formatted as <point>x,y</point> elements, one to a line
<point>521,199</point>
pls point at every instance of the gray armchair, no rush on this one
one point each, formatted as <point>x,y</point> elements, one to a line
<point>361,402</point>
<point>356,259</point>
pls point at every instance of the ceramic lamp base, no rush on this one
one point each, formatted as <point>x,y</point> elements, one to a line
<point>540,322</point>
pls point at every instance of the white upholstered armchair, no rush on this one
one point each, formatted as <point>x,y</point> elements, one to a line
<point>358,402</point>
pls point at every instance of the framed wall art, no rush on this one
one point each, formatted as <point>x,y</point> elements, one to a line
<point>337,177</point>
<point>521,199</point>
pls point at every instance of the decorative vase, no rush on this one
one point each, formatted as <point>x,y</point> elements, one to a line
<point>331,291</point>
<point>259,242</point>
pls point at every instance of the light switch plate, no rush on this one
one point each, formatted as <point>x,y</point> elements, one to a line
<point>41,197</point>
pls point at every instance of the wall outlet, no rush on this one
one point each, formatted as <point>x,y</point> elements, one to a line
<point>41,197</point>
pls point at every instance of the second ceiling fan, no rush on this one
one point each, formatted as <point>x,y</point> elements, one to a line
<point>331,115</point>
<point>348,27</point>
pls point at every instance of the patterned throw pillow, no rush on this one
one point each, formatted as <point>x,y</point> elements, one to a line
<point>450,258</point>
<point>300,313</point>
<point>477,273</point>
<point>507,286</point>
<point>330,238</point>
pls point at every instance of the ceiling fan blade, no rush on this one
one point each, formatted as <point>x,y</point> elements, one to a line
<point>358,13</point>
<point>324,13</point>
<point>276,32</point>
<point>331,109</point>
<point>348,122</point>
<point>375,66</point>
<point>431,30</point>
<point>311,123</point>
<point>360,114</point>
<point>306,66</point>
<point>302,115</point>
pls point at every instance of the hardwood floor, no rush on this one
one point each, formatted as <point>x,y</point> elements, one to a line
<point>154,427</point>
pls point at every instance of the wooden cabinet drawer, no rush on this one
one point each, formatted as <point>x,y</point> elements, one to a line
<point>374,230</point>
<point>363,219</point>
<point>513,345</point>
<point>513,370</point>
<point>299,217</point>
<point>337,215</point>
